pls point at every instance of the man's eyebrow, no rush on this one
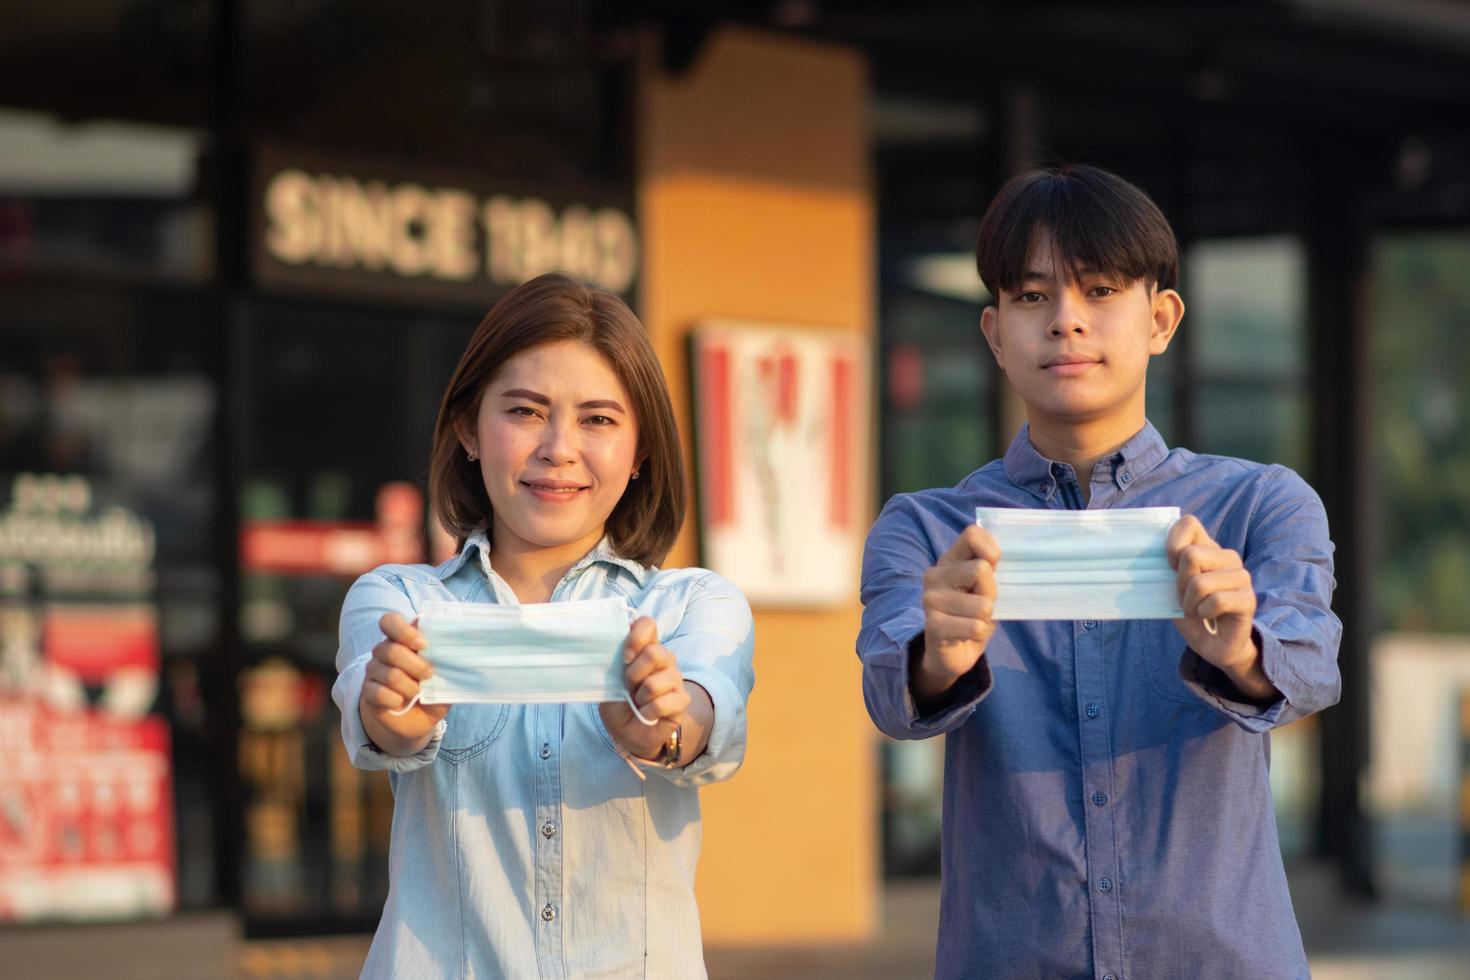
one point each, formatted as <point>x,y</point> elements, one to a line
<point>540,399</point>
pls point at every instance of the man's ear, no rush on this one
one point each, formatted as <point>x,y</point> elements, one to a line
<point>1167,311</point>
<point>990,327</point>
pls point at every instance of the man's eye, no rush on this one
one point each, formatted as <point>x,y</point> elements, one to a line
<point>1030,298</point>
<point>1103,290</point>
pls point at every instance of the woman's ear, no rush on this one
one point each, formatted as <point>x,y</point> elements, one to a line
<point>468,440</point>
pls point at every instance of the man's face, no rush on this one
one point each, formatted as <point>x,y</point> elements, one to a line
<point>1077,349</point>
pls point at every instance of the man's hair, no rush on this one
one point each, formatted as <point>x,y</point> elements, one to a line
<point>555,307</point>
<point>1094,219</point>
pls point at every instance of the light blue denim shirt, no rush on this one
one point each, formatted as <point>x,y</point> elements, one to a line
<point>522,843</point>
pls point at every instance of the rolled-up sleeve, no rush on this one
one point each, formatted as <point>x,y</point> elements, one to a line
<point>895,557</point>
<point>1289,556</point>
<point>714,644</point>
<point>370,597</point>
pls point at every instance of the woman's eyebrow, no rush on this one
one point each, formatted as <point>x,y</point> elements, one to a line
<point>540,399</point>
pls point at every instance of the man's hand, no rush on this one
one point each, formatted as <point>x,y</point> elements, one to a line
<point>959,597</point>
<point>1214,585</point>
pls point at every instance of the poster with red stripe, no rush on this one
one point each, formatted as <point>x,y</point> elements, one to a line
<point>782,437</point>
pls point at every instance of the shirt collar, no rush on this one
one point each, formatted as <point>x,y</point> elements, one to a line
<point>478,545</point>
<point>1028,469</point>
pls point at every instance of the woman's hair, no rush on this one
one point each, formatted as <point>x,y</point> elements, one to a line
<point>1095,219</point>
<point>550,308</point>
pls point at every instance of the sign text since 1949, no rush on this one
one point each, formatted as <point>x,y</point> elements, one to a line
<point>442,233</point>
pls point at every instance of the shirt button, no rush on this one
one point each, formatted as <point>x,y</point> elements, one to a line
<point>548,913</point>
<point>548,829</point>
<point>545,754</point>
<point>1098,799</point>
<point>1109,976</point>
<point>1104,885</point>
<point>1041,489</point>
<point>1089,624</point>
<point>1093,711</point>
<point>1126,477</point>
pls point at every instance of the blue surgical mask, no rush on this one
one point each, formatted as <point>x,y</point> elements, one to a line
<point>535,653</point>
<point>1088,564</point>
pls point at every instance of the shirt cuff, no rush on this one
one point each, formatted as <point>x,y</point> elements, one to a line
<point>1211,685</point>
<point>955,704</point>
<point>724,750</point>
<point>347,692</point>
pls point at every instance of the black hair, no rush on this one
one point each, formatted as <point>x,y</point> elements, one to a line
<point>1095,220</point>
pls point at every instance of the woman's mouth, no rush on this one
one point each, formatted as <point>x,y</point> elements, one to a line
<point>555,491</point>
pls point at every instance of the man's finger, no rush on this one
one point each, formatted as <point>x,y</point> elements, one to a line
<point>1197,558</point>
<point>1185,532</point>
<point>945,628</point>
<point>973,542</point>
<point>1202,586</point>
<point>967,605</point>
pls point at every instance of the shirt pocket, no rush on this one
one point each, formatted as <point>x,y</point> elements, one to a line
<point>1163,672</point>
<point>471,729</point>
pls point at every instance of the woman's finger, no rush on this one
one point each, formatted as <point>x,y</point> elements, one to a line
<point>397,655</point>
<point>666,705</point>
<point>395,680</point>
<point>398,629</point>
<point>654,657</point>
<point>375,695</point>
<point>643,632</point>
<point>657,685</point>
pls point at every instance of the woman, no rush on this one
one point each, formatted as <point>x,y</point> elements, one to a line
<point>523,842</point>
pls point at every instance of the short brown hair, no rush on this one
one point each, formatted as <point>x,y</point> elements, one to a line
<point>1096,220</point>
<point>550,308</point>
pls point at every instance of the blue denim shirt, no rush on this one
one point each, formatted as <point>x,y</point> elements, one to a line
<point>522,843</point>
<point>1106,805</point>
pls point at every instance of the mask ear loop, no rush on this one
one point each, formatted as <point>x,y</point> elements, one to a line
<point>1212,627</point>
<point>399,712</point>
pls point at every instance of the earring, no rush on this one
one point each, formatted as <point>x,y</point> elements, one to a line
<point>635,474</point>
<point>472,455</point>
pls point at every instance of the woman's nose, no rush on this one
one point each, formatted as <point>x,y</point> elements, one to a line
<point>558,443</point>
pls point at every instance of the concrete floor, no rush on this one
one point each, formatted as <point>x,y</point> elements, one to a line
<point>1345,941</point>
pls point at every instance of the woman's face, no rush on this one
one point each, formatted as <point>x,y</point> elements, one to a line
<point>557,442</point>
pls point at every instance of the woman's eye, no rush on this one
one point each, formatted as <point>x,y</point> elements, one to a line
<point>600,420</point>
<point>524,411</point>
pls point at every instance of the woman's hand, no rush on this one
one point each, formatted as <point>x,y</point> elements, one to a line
<point>392,681</point>
<point>659,690</point>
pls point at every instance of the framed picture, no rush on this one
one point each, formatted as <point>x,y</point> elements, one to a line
<point>782,448</point>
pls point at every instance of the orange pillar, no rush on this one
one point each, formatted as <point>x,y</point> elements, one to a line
<point>756,204</point>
